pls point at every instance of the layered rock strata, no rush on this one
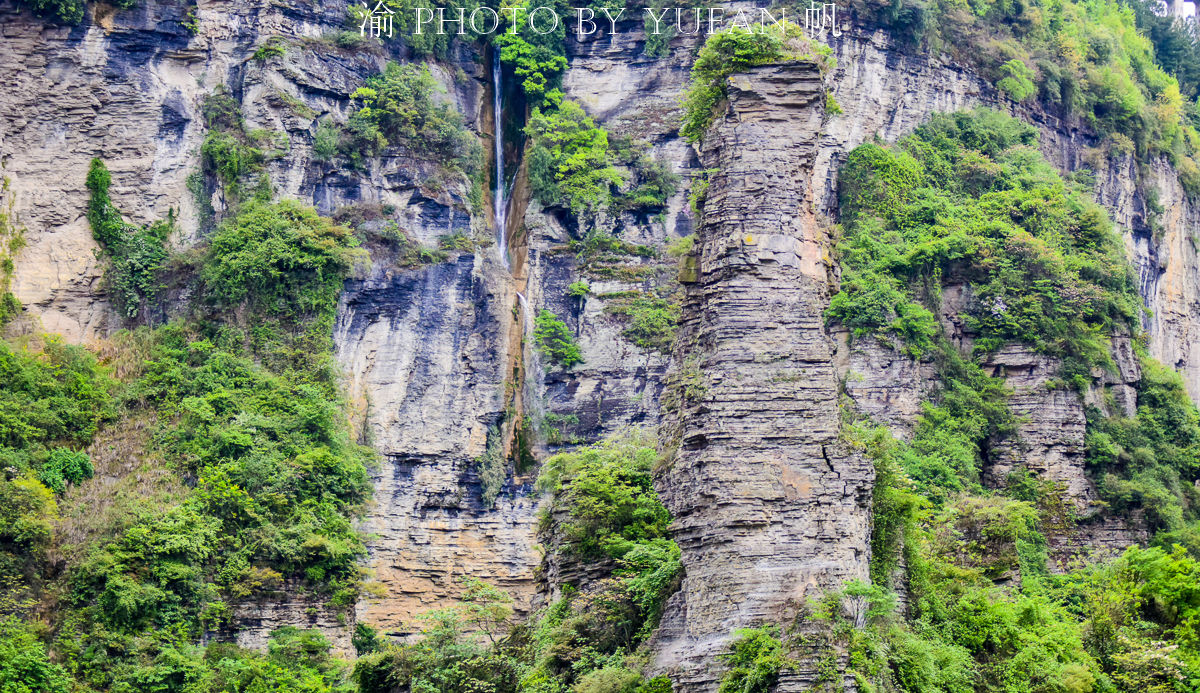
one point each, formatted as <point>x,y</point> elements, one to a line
<point>770,508</point>
<point>427,353</point>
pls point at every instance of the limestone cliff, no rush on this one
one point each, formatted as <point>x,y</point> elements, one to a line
<point>770,508</point>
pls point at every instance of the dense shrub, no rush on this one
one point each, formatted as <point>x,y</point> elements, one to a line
<point>735,50</point>
<point>51,401</point>
<point>652,320</point>
<point>58,396</point>
<point>24,665</point>
<point>1150,461</point>
<point>281,259</point>
<point>27,514</point>
<point>653,182</point>
<point>569,161</point>
<point>537,59</point>
<point>231,155</point>
<point>65,466</point>
<point>1086,58</point>
<point>604,510</point>
<point>967,199</point>
<point>754,659</point>
<point>399,108</point>
<point>555,341</point>
<point>1089,629</point>
<point>609,496</point>
<point>1176,48</point>
<point>247,411</point>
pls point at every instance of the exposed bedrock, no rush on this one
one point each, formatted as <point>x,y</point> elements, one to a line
<point>770,509</point>
<point>427,353</point>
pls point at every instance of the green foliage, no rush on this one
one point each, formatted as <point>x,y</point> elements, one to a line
<point>1083,57</point>
<point>229,153</point>
<point>24,664</point>
<point>1149,461</point>
<point>652,321</point>
<point>537,59</point>
<point>277,480</point>
<point>472,647</point>
<point>653,182</point>
<point>493,467</point>
<point>610,679</point>
<point>282,259</point>
<point>250,415</point>
<point>604,256</point>
<point>755,659</point>
<point>448,659</point>
<point>832,107</point>
<point>273,48</point>
<point>609,495</point>
<point>136,254</point>
<point>296,661</point>
<point>27,514</point>
<point>65,11</point>
<point>1091,629</point>
<point>399,108</point>
<point>736,50</point>
<point>569,162</point>
<point>326,141</point>
<point>682,246</point>
<point>59,396</point>
<point>366,639</point>
<point>555,341</point>
<point>1175,46</point>
<point>967,199</point>
<point>65,466</point>
<point>579,289</point>
<point>1017,81</point>
<point>611,510</point>
<point>50,402</point>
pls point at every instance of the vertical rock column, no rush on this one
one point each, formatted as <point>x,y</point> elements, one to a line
<point>770,509</point>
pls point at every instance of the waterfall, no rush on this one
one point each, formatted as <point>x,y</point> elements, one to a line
<point>533,366</point>
<point>499,201</point>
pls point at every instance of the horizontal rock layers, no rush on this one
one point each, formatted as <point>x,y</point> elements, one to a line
<point>770,509</point>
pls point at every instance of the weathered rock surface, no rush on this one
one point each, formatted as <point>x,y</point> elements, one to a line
<point>1050,424</point>
<point>883,383</point>
<point>770,509</point>
<point>426,351</point>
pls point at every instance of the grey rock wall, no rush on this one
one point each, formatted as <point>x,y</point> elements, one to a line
<point>770,508</point>
<point>430,352</point>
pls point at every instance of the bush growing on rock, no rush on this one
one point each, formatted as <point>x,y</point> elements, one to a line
<point>399,108</point>
<point>736,50</point>
<point>555,341</point>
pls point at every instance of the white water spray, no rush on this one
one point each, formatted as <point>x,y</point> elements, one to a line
<point>534,406</point>
<point>499,201</point>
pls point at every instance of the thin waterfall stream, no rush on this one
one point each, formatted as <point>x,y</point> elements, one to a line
<point>534,407</point>
<point>531,355</point>
<point>500,201</point>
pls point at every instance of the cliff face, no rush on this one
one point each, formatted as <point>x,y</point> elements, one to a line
<point>427,357</point>
<point>770,508</point>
